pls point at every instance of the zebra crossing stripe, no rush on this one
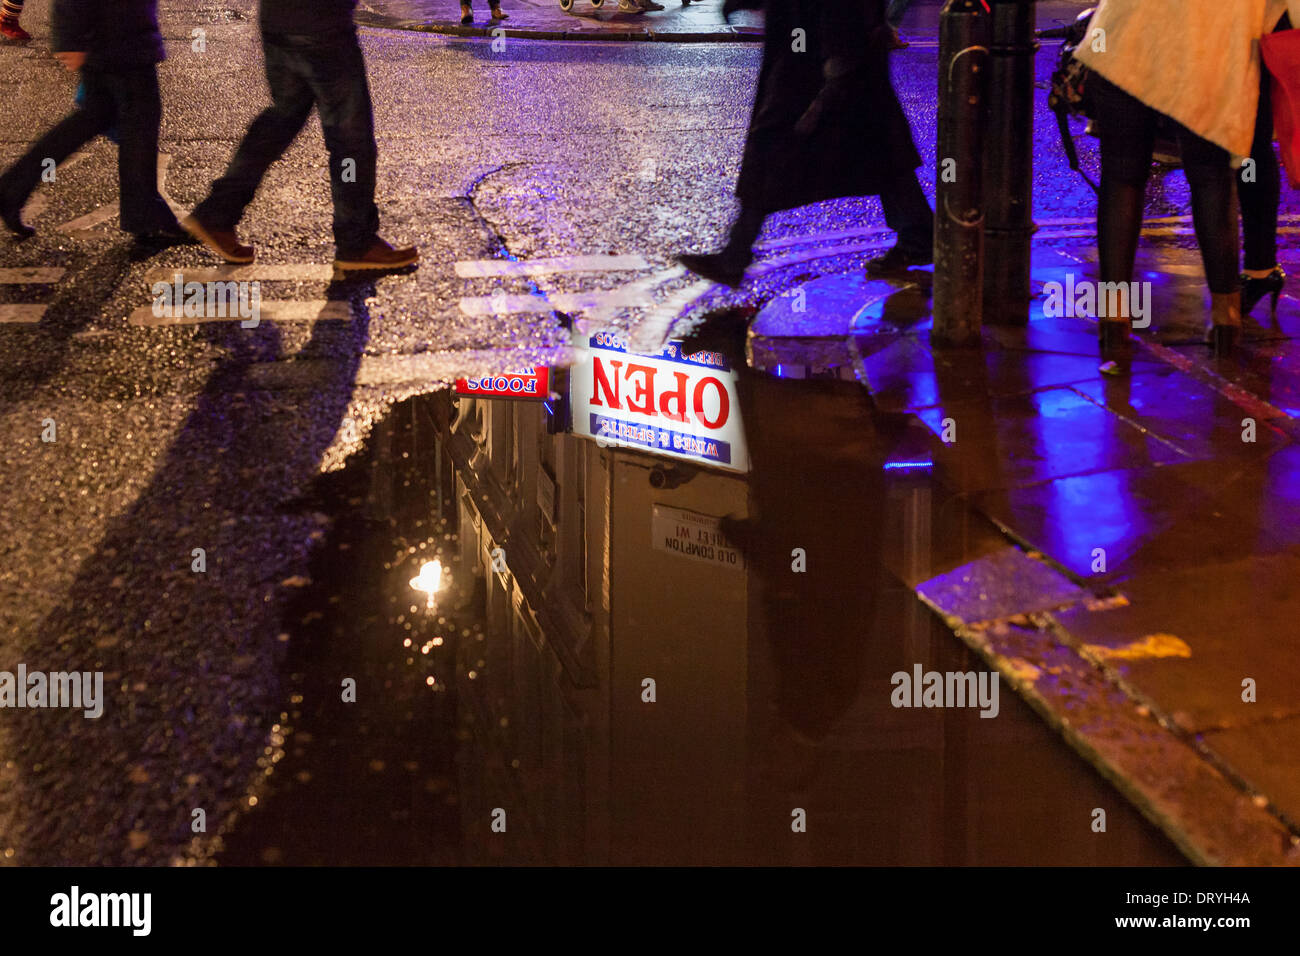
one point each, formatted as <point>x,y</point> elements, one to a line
<point>316,310</point>
<point>253,272</point>
<point>31,275</point>
<point>479,268</point>
<point>21,313</point>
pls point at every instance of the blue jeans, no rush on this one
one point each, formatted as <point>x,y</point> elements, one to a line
<point>327,71</point>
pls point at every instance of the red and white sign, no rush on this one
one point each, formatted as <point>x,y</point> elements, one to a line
<point>533,383</point>
<point>681,406</point>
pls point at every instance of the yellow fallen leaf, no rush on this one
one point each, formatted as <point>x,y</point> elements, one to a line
<point>1153,645</point>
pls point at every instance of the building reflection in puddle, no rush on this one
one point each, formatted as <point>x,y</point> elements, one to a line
<point>681,663</point>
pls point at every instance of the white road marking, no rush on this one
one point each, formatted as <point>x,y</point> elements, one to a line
<point>504,267</point>
<point>560,302</point>
<point>31,275</point>
<point>21,313</point>
<point>287,311</point>
<point>651,335</point>
<point>110,210</point>
<point>289,272</point>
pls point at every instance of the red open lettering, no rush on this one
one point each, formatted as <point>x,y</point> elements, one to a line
<point>724,403</point>
<point>601,383</point>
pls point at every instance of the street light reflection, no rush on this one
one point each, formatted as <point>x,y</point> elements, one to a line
<point>429,579</point>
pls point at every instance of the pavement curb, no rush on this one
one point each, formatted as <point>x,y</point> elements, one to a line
<point>447,28</point>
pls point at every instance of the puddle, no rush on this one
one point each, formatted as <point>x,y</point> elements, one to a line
<point>633,658</point>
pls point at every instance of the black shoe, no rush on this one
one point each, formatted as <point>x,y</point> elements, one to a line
<point>13,219</point>
<point>164,237</point>
<point>719,267</point>
<point>1252,290</point>
<point>898,260</point>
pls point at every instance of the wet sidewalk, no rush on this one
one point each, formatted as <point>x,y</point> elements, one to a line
<point>695,21</point>
<point>1142,593</point>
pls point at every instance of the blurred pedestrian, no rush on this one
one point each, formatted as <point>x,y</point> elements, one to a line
<point>825,123</point>
<point>10,11</point>
<point>313,59</point>
<point>117,48</point>
<point>1199,67</point>
<point>1259,196</point>
<point>467,11</point>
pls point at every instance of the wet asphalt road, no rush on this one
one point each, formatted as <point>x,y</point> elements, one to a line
<point>213,437</point>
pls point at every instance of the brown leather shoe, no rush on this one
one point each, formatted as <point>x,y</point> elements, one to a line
<point>379,257</point>
<point>223,242</point>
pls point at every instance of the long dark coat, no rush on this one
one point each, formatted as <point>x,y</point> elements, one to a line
<point>859,138</point>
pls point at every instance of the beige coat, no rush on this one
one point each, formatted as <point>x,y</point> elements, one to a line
<point>1195,60</point>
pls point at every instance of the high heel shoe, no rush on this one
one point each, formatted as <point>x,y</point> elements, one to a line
<point>1224,330</point>
<point>1116,346</point>
<point>1252,290</point>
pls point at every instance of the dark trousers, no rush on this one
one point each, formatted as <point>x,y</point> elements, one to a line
<point>1260,198</point>
<point>1127,129</point>
<point>328,71</point>
<point>129,100</point>
<point>908,213</point>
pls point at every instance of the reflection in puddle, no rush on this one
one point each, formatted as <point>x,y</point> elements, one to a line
<point>567,650</point>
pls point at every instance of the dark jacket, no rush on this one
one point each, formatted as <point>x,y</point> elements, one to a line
<point>114,34</point>
<point>306,16</point>
<point>826,122</point>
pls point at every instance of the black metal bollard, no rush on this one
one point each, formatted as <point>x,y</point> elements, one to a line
<point>1009,163</point>
<point>959,213</point>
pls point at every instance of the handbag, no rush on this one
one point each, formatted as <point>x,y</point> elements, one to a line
<point>1068,93</point>
<point>1281,52</point>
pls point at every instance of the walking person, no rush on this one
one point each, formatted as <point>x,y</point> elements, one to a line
<point>117,49</point>
<point>826,123</point>
<point>313,59</point>
<point>10,11</point>
<point>1157,63</point>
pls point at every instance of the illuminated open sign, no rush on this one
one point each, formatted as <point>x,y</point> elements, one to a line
<point>681,406</point>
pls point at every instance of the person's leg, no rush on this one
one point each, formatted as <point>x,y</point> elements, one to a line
<point>269,135</point>
<point>1214,210</point>
<point>1126,128</point>
<point>908,213</point>
<point>1262,191</point>
<point>1214,215</point>
<point>728,266</point>
<point>94,117</point>
<point>139,114</point>
<point>337,74</point>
